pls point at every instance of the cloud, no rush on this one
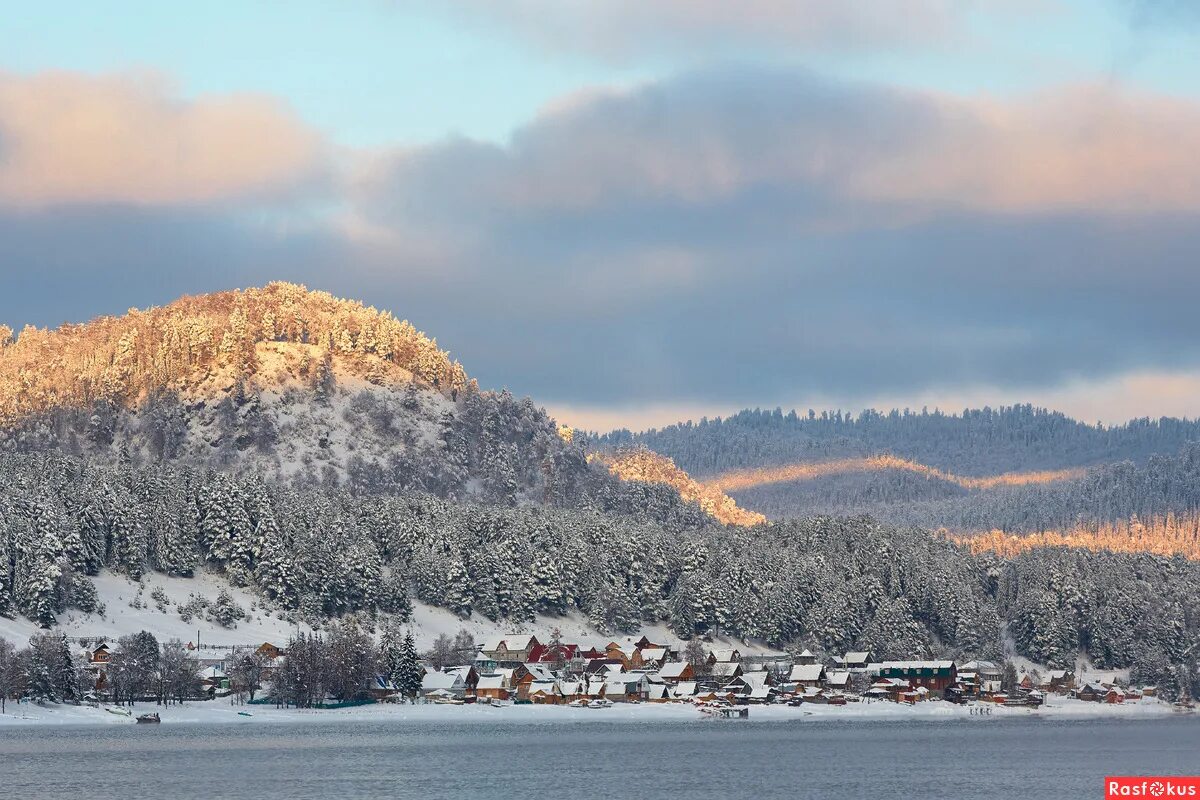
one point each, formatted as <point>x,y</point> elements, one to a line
<point>620,29</point>
<point>70,138</point>
<point>853,148</point>
<point>749,236</point>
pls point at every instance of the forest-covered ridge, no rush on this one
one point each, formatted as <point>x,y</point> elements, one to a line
<point>972,443</point>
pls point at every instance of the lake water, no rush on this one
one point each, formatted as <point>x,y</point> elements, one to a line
<point>1024,759</point>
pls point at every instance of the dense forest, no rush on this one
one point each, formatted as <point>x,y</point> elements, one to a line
<point>1108,493</point>
<point>831,583</point>
<point>975,442</point>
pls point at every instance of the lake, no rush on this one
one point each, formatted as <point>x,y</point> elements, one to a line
<point>1019,758</point>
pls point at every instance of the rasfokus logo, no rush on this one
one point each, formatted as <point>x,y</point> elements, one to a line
<point>1151,786</point>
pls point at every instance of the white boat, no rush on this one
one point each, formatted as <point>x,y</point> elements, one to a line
<point>601,703</point>
<point>578,704</point>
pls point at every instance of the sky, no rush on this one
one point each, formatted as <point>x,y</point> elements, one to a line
<point>641,211</point>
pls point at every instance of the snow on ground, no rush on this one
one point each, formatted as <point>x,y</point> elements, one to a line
<point>116,592</point>
<point>222,712</point>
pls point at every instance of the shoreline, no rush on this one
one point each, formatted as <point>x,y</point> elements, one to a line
<point>220,713</point>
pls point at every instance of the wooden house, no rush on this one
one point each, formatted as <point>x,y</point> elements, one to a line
<point>676,671</point>
<point>724,655</point>
<point>725,671</point>
<point>807,675</point>
<point>511,649</point>
<point>838,681</point>
<point>806,658</point>
<point>1058,680</point>
<point>653,657</point>
<point>526,675</point>
<point>492,687</point>
<point>542,693</point>
<point>856,661</point>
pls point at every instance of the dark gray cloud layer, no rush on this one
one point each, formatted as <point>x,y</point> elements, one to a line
<point>725,238</point>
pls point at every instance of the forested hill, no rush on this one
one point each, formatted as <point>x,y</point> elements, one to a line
<point>978,442</point>
<point>303,389</point>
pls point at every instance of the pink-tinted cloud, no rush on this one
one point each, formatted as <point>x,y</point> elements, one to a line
<point>70,138</point>
<point>862,153</point>
<point>1083,147</point>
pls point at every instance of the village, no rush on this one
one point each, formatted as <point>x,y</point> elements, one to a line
<point>519,669</point>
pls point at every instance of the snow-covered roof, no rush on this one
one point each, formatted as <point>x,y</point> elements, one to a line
<point>539,672</point>
<point>807,653</point>
<point>654,653</point>
<point>806,672</point>
<point>856,657</point>
<point>685,688</point>
<point>725,669</point>
<point>440,680</point>
<point>916,665</point>
<point>212,673</point>
<point>754,679</point>
<point>492,682</point>
<point>545,687</point>
<point>672,669</point>
<point>837,678</point>
<point>724,654</point>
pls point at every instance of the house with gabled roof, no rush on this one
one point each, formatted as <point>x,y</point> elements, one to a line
<point>652,656</point>
<point>724,655</point>
<point>856,661</point>
<point>684,690</point>
<point>511,649</point>
<point>724,671</point>
<point>807,675</point>
<point>675,671</point>
<point>492,687</point>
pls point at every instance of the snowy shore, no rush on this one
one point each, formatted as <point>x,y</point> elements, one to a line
<point>221,712</point>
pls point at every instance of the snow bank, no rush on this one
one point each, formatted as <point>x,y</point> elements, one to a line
<point>222,712</point>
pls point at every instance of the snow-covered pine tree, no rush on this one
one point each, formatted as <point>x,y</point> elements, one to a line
<point>410,672</point>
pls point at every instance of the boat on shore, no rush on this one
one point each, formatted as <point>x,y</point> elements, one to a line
<point>120,712</point>
<point>148,719</point>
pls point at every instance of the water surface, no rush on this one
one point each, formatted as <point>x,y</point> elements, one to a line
<point>827,760</point>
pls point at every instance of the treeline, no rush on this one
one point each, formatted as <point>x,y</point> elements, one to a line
<point>976,442</point>
<point>836,583</point>
<point>48,670</point>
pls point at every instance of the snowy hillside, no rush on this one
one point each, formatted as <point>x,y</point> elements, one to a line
<point>130,607</point>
